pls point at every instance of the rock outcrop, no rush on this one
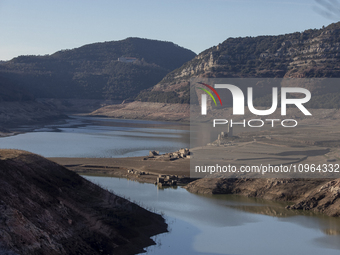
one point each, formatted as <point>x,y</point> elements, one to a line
<point>318,195</point>
<point>323,199</point>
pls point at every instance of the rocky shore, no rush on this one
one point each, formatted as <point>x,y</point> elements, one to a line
<point>324,199</point>
<point>47,209</point>
<point>318,195</point>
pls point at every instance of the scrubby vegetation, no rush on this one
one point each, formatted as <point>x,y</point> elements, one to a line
<point>93,71</point>
<point>165,96</point>
<point>9,92</point>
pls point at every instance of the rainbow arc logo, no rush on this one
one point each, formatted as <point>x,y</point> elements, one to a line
<point>204,97</point>
<point>238,99</point>
<point>209,93</point>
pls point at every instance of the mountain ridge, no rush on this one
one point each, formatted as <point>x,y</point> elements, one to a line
<point>312,53</point>
<point>93,71</point>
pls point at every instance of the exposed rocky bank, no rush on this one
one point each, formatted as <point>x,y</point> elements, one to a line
<point>47,209</point>
<point>318,195</point>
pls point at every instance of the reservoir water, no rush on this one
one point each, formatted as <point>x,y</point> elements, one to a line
<point>215,224</point>
<point>229,224</point>
<point>95,137</point>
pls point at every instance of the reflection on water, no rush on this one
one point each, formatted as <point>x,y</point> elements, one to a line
<point>307,219</point>
<point>331,232</point>
<point>226,224</point>
<point>100,137</point>
<point>257,205</point>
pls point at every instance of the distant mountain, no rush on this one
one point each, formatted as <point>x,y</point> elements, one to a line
<point>312,53</point>
<point>108,70</point>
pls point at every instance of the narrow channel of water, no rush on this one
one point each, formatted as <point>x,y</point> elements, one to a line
<point>226,224</point>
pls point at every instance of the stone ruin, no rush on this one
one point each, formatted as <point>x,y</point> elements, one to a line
<point>153,153</point>
<point>166,180</point>
<point>221,138</point>
<point>132,171</point>
<point>181,153</point>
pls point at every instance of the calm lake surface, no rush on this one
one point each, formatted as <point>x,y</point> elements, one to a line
<point>95,137</point>
<point>216,224</point>
<point>225,224</point>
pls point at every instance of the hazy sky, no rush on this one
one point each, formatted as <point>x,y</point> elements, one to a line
<point>44,26</point>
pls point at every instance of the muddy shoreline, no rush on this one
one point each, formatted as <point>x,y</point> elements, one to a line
<point>318,195</point>
<point>118,167</point>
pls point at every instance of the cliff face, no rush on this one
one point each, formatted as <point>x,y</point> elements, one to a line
<point>312,53</point>
<point>47,209</point>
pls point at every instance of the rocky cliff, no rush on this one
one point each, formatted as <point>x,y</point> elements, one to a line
<point>312,53</point>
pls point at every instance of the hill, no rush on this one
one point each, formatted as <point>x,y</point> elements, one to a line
<point>108,70</point>
<point>19,107</point>
<point>47,209</point>
<point>312,53</point>
<point>9,92</point>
